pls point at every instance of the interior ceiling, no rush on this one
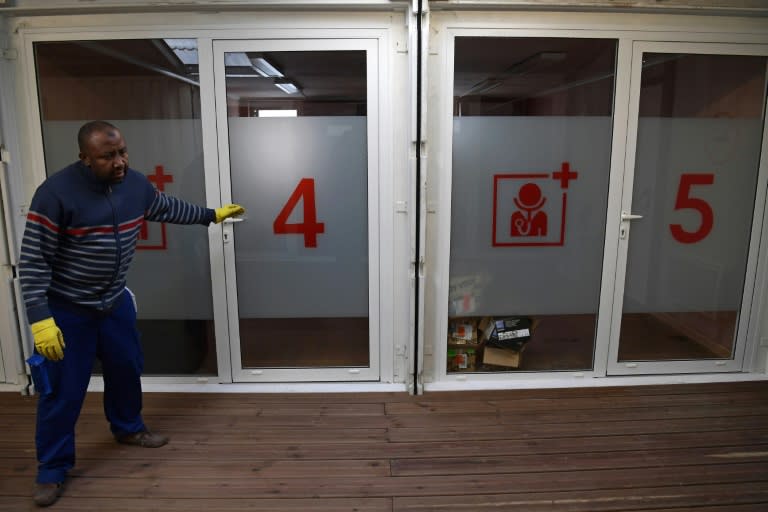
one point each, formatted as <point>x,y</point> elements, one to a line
<point>527,67</point>
<point>491,67</point>
<point>320,75</point>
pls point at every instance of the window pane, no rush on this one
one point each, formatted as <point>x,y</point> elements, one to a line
<point>531,161</point>
<point>698,151</point>
<point>302,256</point>
<point>148,89</point>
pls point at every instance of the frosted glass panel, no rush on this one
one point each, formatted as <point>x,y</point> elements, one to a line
<point>159,115</point>
<point>279,275</point>
<point>698,150</point>
<point>531,160</point>
<point>495,158</point>
<point>299,164</point>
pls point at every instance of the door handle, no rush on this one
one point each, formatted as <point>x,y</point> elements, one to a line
<point>629,216</point>
<point>625,218</point>
<point>232,220</point>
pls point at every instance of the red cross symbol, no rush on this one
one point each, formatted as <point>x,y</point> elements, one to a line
<point>565,175</point>
<point>160,178</point>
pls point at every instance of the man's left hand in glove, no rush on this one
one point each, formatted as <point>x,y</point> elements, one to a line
<point>227,211</point>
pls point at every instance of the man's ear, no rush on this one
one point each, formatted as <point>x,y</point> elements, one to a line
<point>84,159</point>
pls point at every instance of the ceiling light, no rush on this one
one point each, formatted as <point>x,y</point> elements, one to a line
<point>238,59</point>
<point>264,68</point>
<point>483,87</point>
<point>278,113</point>
<point>287,87</point>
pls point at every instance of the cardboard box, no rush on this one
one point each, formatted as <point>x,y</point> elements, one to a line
<point>486,327</point>
<point>501,357</point>
<point>462,331</point>
<point>462,359</point>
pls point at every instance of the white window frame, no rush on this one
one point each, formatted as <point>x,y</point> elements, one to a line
<point>392,160</point>
<point>736,362</point>
<point>446,26</point>
<point>322,41</point>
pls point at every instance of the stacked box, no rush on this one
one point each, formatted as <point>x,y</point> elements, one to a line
<point>502,356</point>
<point>462,359</point>
<point>505,339</point>
<point>496,342</point>
<point>462,331</point>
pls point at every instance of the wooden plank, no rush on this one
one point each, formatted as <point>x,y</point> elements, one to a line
<point>267,468</point>
<point>232,451</point>
<point>701,447</point>
<point>93,424</point>
<point>223,469</point>
<point>231,422</point>
<point>100,432</point>
<point>470,405</point>
<point>492,463</point>
<point>171,400</point>
<point>578,416</point>
<point>234,417</point>
<point>702,497</point>
<point>347,487</point>
<point>68,503</point>
<point>563,428</point>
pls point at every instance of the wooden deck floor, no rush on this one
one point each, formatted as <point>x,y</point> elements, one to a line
<point>680,448</point>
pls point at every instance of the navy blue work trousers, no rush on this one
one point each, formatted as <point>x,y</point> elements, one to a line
<point>114,339</point>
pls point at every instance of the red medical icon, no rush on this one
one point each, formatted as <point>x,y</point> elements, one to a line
<point>159,179</point>
<point>535,204</point>
<point>525,222</point>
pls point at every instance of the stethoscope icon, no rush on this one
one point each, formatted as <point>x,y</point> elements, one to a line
<point>530,200</point>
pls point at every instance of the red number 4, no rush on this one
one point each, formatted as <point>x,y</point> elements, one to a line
<point>685,201</point>
<point>310,228</point>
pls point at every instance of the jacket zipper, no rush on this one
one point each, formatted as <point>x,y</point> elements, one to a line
<point>118,247</point>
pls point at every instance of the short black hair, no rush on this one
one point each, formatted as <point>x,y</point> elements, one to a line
<point>91,127</point>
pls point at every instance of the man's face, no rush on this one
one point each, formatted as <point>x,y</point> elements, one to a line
<point>106,154</point>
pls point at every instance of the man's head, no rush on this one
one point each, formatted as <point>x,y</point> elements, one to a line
<point>103,149</point>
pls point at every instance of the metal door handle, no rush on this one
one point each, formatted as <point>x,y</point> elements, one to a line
<point>629,216</point>
<point>626,217</point>
<point>232,220</point>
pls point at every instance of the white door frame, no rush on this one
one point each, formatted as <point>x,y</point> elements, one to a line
<point>745,321</point>
<point>306,43</point>
<point>445,27</point>
<point>391,36</point>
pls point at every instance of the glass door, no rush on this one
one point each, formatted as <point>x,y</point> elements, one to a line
<point>297,128</point>
<point>531,158</point>
<point>692,204</point>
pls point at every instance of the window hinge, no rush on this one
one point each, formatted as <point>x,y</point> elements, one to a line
<point>9,53</point>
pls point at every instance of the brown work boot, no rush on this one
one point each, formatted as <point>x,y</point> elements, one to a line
<point>45,495</point>
<point>145,439</point>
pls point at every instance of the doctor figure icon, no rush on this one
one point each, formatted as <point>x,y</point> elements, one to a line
<point>529,220</point>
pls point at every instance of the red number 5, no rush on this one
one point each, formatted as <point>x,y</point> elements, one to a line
<point>310,228</point>
<point>684,200</point>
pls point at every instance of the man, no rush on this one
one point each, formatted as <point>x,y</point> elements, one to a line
<point>79,241</point>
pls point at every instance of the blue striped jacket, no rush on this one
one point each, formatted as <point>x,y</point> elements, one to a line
<point>81,234</point>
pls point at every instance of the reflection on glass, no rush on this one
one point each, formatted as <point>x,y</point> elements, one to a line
<point>148,88</point>
<point>298,158</point>
<point>698,149</point>
<point>531,161</point>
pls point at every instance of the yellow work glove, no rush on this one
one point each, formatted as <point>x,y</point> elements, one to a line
<point>48,339</point>
<point>227,211</point>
